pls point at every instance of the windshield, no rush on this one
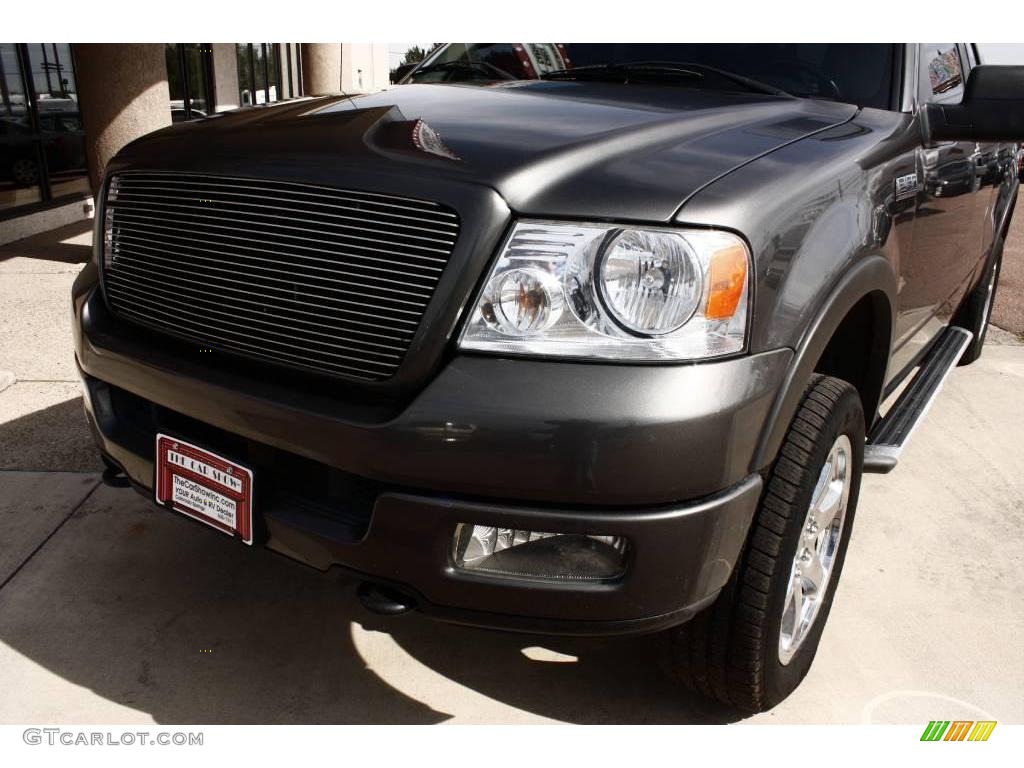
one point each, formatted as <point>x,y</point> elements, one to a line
<point>855,73</point>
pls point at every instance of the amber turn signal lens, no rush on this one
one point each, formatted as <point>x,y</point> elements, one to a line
<point>727,277</point>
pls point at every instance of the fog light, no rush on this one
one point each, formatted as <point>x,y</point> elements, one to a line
<point>532,554</point>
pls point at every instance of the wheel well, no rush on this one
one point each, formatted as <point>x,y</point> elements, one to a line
<point>858,351</point>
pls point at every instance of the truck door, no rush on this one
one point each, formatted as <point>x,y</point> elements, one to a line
<point>995,170</point>
<point>948,226</point>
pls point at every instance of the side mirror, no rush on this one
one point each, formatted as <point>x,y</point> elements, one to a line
<point>992,108</point>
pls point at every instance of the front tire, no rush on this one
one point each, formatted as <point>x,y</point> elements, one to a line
<point>755,644</point>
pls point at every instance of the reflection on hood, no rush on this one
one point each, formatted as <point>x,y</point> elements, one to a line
<point>393,132</point>
<point>427,139</point>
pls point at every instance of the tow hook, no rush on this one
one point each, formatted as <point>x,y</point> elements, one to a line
<point>114,476</point>
<point>383,600</point>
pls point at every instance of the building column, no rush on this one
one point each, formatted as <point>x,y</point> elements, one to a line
<point>364,67</point>
<point>123,94</point>
<point>225,77</point>
<point>295,51</point>
<point>321,68</point>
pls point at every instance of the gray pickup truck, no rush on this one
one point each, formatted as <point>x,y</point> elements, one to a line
<point>559,338</point>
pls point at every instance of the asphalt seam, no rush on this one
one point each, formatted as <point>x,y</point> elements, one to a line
<point>1018,334</point>
<point>44,271</point>
<point>38,471</point>
<point>45,381</point>
<point>50,535</point>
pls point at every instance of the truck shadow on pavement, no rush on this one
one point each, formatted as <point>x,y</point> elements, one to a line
<point>577,680</point>
<point>158,614</point>
<point>70,244</point>
<point>55,438</point>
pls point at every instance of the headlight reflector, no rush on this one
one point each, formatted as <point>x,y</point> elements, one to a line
<point>522,301</point>
<point>614,292</point>
<point>650,281</point>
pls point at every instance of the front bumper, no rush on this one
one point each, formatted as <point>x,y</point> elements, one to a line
<point>642,452</point>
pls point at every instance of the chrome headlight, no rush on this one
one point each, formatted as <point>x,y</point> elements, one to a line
<point>614,292</point>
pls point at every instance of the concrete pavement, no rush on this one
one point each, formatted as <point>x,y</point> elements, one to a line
<point>114,611</point>
<point>40,417</point>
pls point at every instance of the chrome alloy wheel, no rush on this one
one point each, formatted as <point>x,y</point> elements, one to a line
<point>817,548</point>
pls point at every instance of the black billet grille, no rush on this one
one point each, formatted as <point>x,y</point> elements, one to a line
<point>330,280</point>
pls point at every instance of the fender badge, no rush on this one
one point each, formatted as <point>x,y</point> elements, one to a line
<point>906,186</point>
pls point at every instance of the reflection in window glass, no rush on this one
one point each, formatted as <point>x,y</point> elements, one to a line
<point>19,152</point>
<point>273,82</point>
<point>12,87</point>
<point>175,83</point>
<point>245,85</point>
<point>187,80</point>
<point>259,73</point>
<point>942,71</point>
<point>60,125</point>
<point>195,69</point>
<point>853,73</point>
<point>260,66</point>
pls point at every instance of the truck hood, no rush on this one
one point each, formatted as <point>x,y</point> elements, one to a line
<point>548,148</point>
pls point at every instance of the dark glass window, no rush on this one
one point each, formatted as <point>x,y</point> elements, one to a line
<point>243,61</point>
<point>259,63</point>
<point>42,144</point>
<point>855,73</point>
<point>261,77</point>
<point>19,149</point>
<point>189,80</point>
<point>275,88</point>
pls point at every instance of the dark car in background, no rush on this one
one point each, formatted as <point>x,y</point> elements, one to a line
<point>63,143</point>
<point>568,338</point>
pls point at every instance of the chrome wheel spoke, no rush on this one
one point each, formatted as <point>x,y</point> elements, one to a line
<point>816,550</point>
<point>830,504</point>
<point>793,610</point>
<point>814,574</point>
<point>798,605</point>
<point>825,479</point>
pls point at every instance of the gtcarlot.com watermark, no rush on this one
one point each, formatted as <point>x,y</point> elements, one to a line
<point>71,738</point>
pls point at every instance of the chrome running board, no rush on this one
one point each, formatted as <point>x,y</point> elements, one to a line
<point>892,432</point>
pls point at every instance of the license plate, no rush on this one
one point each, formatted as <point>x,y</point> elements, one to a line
<point>205,486</point>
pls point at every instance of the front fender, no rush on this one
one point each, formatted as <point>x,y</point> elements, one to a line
<point>872,274</point>
<point>826,232</point>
